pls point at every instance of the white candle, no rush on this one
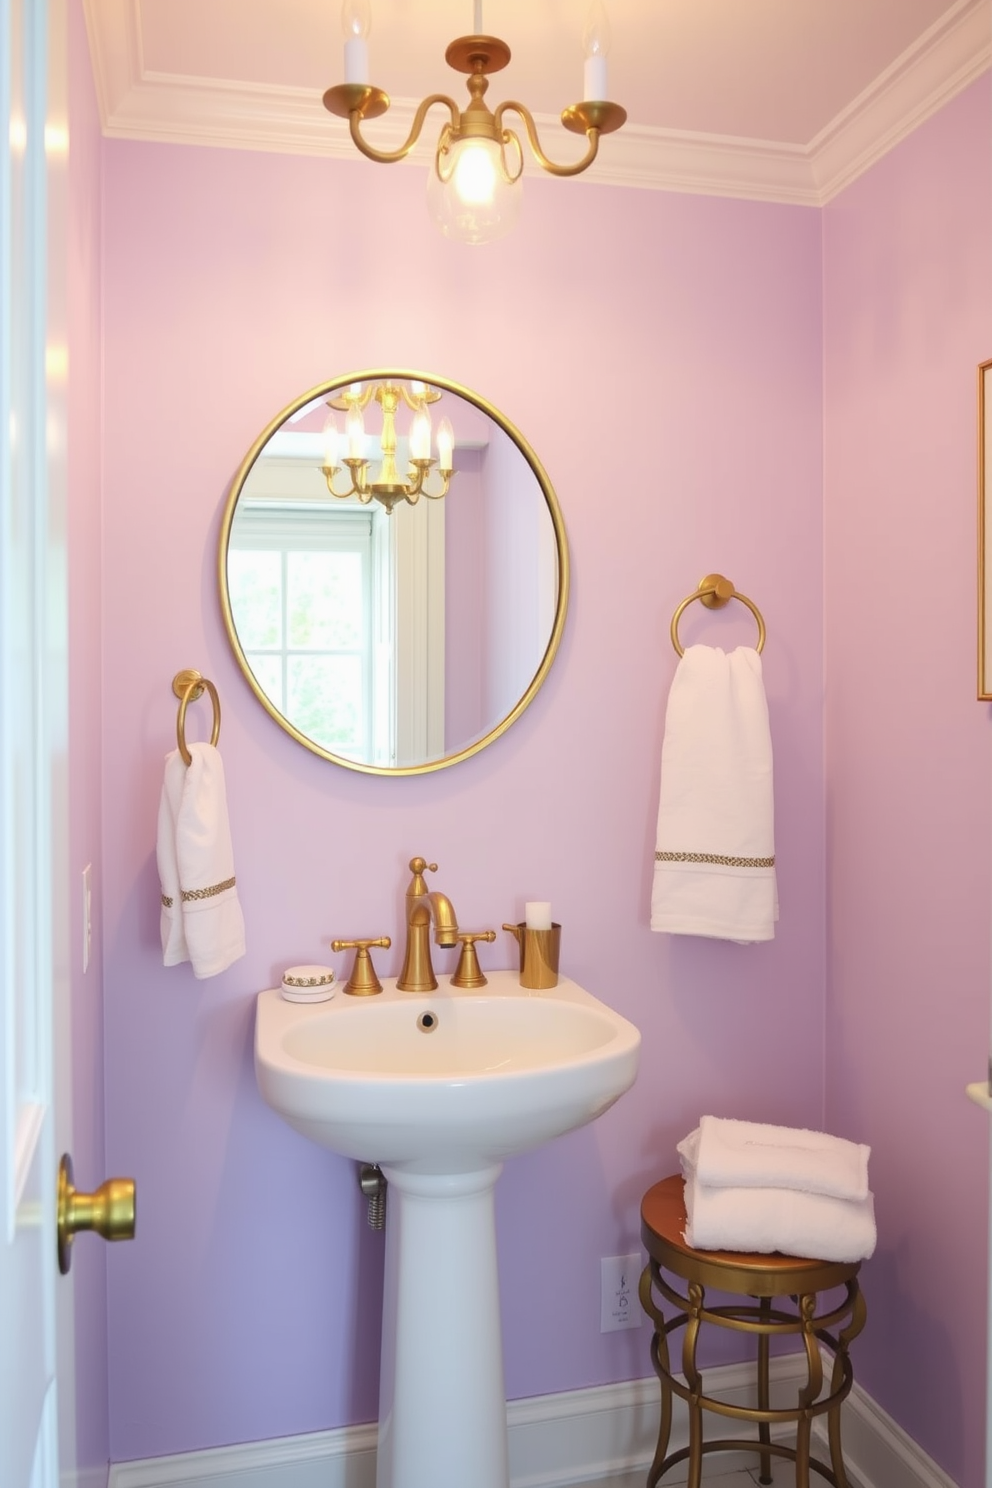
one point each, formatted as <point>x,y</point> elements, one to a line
<point>356,60</point>
<point>356,22</point>
<point>420,435</point>
<point>538,914</point>
<point>596,44</point>
<point>330,432</point>
<point>594,79</point>
<point>356,433</point>
<point>445,444</point>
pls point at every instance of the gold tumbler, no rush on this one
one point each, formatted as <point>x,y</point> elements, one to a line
<point>538,955</point>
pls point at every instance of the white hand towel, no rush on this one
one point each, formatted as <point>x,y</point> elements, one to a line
<point>212,918</point>
<point>752,1154</point>
<point>203,923</point>
<point>173,936</point>
<point>714,871</point>
<point>778,1219</point>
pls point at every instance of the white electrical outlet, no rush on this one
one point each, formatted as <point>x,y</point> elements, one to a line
<point>87,914</point>
<point>619,1306</point>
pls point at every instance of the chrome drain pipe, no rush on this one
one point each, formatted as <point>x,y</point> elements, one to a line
<point>373,1185</point>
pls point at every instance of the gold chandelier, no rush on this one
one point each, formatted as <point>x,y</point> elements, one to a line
<point>389,487</point>
<point>475,181</point>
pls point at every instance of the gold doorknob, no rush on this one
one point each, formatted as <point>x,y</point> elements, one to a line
<point>109,1211</point>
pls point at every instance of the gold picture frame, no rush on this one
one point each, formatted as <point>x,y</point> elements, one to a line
<point>985,532</point>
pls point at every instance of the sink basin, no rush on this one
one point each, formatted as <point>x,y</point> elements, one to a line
<point>439,1088</point>
<point>447,1079</point>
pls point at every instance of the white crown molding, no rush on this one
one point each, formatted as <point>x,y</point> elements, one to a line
<point>952,53</point>
<point>136,103</point>
<point>555,1441</point>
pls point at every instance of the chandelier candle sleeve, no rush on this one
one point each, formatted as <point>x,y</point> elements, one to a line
<point>355,425</point>
<point>596,42</point>
<point>420,435</point>
<point>330,437</point>
<point>356,22</point>
<point>445,445</point>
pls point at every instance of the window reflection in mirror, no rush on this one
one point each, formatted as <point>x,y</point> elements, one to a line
<point>403,640</point>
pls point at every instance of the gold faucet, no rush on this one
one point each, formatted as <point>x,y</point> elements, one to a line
<point>421,909</point>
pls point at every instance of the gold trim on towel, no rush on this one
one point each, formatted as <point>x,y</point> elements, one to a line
<point>218,888</point>
<point>167,900</point>
<point>718,858</point>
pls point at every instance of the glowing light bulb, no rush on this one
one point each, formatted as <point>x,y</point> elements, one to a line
<point>331,439</point>
<point>475,201</point>
<point>475,174</point>
<point>356,23</point>
<point>355,426</point>
<point>445,444</point>
<point>596,44</point>
<point>420,435</point>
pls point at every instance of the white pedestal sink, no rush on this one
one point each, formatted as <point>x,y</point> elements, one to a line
<point>438,1089</point>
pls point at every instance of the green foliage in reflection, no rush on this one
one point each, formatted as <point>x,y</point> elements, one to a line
<point>268,674</point>
<point>255,583</point>
<point>324,600</point>
<point>325,700</point>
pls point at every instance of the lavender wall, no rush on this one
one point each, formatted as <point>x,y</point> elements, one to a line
<point>463,601</point>
<point>908,315</point>
<point>89,1271</point>
<point>515,509</point>
<point>234,1314</point>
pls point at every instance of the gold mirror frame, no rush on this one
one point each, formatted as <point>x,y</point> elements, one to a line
<point>561,546</point>
<point>984,532</point>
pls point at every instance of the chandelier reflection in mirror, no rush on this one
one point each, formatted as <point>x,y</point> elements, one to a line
<point>389,487</point>
<point>474,185</point>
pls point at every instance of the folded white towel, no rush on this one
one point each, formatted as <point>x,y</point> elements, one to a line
<point>173,936</point>
<point>212,922</point>
<point>752,1154</point>
<point>778,1219</point>
<point>714,871</point>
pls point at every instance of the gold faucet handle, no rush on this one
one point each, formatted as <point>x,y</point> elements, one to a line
<point>418,867</point>
<point>363,981</point>
<point>468,972</point>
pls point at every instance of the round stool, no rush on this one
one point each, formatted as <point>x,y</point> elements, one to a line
<point>765,1278</point>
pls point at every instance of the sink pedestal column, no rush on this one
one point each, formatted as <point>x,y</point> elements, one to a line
<point>442,1401</point>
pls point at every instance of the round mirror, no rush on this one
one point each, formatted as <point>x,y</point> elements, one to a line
<point>393,572</point>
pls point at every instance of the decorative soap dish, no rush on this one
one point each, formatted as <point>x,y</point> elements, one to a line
<point>308,984</point>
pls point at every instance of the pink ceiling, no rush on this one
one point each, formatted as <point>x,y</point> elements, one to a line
<point>760,69</point>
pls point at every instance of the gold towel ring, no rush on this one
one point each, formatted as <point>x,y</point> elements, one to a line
<point>188,686</point>
<point>715,591</point>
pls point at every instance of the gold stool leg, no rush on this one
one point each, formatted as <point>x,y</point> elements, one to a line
<point>694,1380</point>
<point>814,1384</point>
<point>764,1397</point>
<point>859,1313</point>
<point>662,1368</point>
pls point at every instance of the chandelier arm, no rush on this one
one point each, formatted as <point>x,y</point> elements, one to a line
<point>445,478</point>
<point>329,472</point>
<point>592,134</point>
<point>387,157</point>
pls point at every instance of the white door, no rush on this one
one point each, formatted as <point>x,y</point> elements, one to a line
<point>33,710</point>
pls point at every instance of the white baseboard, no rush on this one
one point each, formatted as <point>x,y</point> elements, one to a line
<point>556,1441</point>
<point>90,1477</point>
<point>879,1454</point>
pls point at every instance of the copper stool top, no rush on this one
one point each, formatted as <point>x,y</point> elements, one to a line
<point>749,1273</point>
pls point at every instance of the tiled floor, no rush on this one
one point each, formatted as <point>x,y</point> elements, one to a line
<point>783,1474</point>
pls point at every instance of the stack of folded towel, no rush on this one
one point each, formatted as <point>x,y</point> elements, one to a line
<point>754,1187</point>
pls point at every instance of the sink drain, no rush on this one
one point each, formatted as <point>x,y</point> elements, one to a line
<point>427,1022</point>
